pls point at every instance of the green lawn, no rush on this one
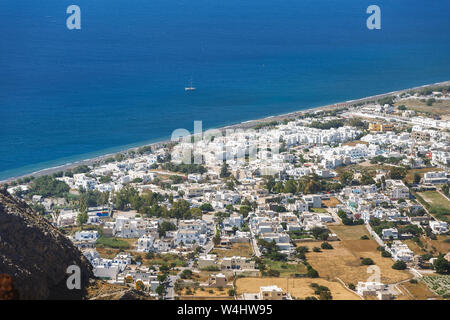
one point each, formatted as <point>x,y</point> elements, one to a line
<point>319,210</point>
<point>285,269</point>
<point>436,198</point>
<point>164,259</point>
<point>109,242</point>
<point>437,204</point>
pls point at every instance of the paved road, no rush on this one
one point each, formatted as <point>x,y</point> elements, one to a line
<point>170,292</point>
<point>254,244</point>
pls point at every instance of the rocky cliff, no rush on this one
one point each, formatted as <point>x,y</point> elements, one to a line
<point>36,255</point>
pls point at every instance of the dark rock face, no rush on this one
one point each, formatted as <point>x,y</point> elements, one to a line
<point>36,255</point>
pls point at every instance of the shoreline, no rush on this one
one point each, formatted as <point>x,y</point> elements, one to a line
<point>240,125</point>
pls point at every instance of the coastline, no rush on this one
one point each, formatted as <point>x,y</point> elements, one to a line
<point>240,125</point>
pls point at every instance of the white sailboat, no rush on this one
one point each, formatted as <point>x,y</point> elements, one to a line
<point>190,88</point>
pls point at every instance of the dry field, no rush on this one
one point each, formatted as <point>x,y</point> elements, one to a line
<point>206,293</point>
<point>439,107</point>
<point>236,249</point>
<point>440,245</point>
<point>333,202</point>
<point>418,290</point>
<point>410,174</point>
<point>344,262</point>
<point>350,232</point>
<point>299,288</point>
<point>354,143</point>
<point>432,246</point>
<point>107,253</point>
<point>203,276</point>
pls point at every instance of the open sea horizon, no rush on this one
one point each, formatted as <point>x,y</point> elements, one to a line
<point>68,95</point>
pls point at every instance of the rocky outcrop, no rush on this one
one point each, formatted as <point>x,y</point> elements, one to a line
<point>36,255</point>
<point>102,290</point>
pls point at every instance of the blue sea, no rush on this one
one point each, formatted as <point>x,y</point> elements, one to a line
<point>67,95</point>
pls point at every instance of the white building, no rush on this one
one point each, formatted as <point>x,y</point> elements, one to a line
<point>439,227</point>
<point>87,235</point>
<point>391,233</point>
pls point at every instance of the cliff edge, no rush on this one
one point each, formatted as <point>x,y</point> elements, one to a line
<point>36,255</point>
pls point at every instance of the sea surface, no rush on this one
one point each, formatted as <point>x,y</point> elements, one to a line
<point>67,95</point>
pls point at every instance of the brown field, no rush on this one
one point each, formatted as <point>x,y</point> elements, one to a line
<point>432,246</point>
<point>414,247</point>
<point>354,143</point>
<point>439,245</point>
<point>236,249</point>
<point>344,262</point>
<point>102,290</point>
<point>350,232</point>
<point>203,276</point>
<point>299,288</point>
<point>205,298</point>
<point>410,174</point>
<point>418,290</point>
<point>435,198</point>
<point>333,202</point>
<point>441,108</point>
<point>206,294</point>
<point>107,253</point>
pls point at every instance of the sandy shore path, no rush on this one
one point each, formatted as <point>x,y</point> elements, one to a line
<point>241,125</point>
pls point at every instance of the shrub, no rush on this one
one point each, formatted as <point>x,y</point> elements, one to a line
<point>273,273</point>
<point>367,262</point>
<point>210,268</point>
<point>312,273</point>
<point>326,246</point>
<point>385,254</point>
<point>186,274</point>
<point>399,265</point>
<point>140,285</point>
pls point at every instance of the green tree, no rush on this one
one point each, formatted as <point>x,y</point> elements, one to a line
<point>244,210</point>
<point>82,217</point>
<point>217,239</point>
<point>399,265</point>
<point>290,187</point>
<point>417,178</point>
<point>269,182</point>
<point>441,265</point>
<point>397,173</point>
<point>312,273</point>
<point>160,290</point>
<point>224,172</point>
<point>166,226</point>
<point>367,262</point>
<point>48,186</point>
<point>206,207</point>
<point>366,179</point>
<point>180,209</point>
<point>346,177</point>
<point>326,245</point>
<point>186,274</point>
